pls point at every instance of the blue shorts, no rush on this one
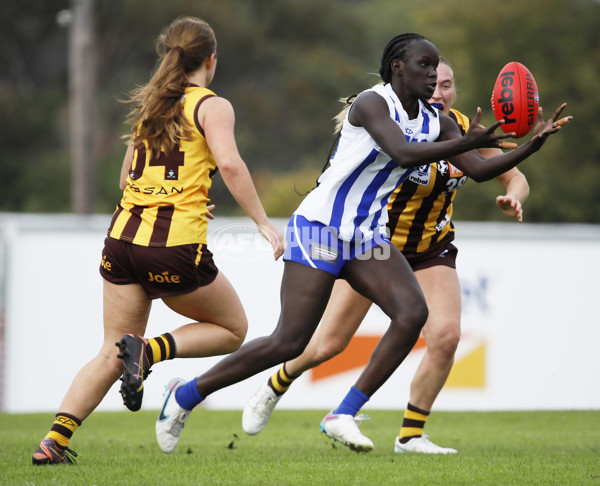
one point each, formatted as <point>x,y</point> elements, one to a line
<point>316,245</point>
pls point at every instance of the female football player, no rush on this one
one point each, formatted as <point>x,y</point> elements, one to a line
<point>420,224</point>
<point>156,245</point>
<point>338,231</point>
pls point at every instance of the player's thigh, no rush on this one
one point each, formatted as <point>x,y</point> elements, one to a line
<point>125,309</point>
<point>216,302</point>
<point>343,315</point>
<point>441,287</point>
<point>388,282</point>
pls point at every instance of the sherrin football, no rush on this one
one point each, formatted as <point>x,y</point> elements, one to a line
<point>515,99</point>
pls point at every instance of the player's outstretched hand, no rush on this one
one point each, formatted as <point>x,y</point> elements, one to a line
<point>510,206</point>
<point>479,136</point>
<point>543,129</point>
<point>274,237</point>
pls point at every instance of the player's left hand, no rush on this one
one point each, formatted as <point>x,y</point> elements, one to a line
<point>540,123</point>
<point>511,207</point>
<point>274,237</point>
<point>210,208</point>
<point>543,128</point>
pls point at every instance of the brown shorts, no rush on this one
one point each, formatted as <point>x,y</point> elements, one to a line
<point>161,271</point>
<point>443,253</point>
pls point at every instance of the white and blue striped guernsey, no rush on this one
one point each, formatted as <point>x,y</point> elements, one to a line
<point>352,194</point>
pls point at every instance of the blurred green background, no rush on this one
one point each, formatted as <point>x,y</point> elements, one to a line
<point>284,64</point>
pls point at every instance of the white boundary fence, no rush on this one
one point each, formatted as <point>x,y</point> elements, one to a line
<point>531,324</point>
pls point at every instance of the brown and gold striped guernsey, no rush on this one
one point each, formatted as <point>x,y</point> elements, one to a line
<point>164,203</point>
<point>420,209</point>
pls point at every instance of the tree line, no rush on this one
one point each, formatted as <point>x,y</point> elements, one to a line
<point>284,65</point>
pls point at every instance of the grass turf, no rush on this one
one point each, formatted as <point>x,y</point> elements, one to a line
<point>496,448</point>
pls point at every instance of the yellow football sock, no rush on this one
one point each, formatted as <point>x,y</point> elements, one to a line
<point>413,423</point>
<point>62,429</point>
<point>162,347</point>
<point>281,381</point>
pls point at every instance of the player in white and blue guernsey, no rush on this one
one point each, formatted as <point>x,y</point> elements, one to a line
<point>349,202</point>
<point>336,233</point>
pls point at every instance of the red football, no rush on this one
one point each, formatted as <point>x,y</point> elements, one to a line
<point>515,99</point>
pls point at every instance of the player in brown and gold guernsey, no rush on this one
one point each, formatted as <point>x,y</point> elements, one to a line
<point>420,212</point>
<point>156,247</point>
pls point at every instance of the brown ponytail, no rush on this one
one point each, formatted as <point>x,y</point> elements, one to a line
<point>156,116</point>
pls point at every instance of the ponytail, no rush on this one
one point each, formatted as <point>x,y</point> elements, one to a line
<point>157,114</point>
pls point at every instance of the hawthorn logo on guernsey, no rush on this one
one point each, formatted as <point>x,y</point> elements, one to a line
<point>163,278</point>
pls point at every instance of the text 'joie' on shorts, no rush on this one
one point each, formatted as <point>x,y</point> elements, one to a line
<point>161,271</point>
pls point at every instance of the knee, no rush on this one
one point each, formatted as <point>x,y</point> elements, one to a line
<point>283,349</point>
<point>235,337</point>
<point>416,315</point>
<point>410,318</point>
<point>445,340</point>
<point>291,350</point>
<point>327,350</point>
<point>231,343</point>
<point>234,340</point>
<point>420,314</point>
<point>108,354</point>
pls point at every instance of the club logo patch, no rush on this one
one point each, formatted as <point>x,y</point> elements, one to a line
<point>421,175</point>
<point>442,166</point>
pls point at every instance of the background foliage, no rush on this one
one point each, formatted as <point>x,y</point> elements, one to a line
<point>284,65</point>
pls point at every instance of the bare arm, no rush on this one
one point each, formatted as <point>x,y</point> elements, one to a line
<point>514,181</point>
<point>515,185</point>
<point>517,190</point>
<point>217,117</point>
<point>481,169</point>
<point>370,111</point>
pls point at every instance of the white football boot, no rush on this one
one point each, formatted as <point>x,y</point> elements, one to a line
<point>421,445</point>
<point>171,419</point>
<point>258,409</point>
<point>344,429</point>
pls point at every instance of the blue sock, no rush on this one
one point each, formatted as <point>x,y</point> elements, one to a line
<point>352,403</point>
<point>188,396</point>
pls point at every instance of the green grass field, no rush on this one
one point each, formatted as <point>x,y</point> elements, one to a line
<point>499,448</point>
